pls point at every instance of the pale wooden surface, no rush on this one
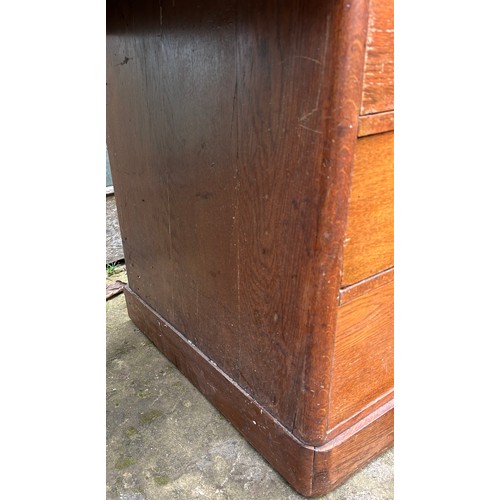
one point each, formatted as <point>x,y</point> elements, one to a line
<point>364,366</point>
<point>354,291</point>
<point>378,83</point>
<point>369,243</point>
<point>376,123</point>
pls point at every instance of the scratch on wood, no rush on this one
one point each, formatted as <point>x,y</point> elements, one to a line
<point>308,59</point>
<point>170,242</point>
<point>322,64</point>
<point>325,49</point>
<point>234,105</point>
<point>169,223</point>
<point>307,115</point>
<point>310,129</point>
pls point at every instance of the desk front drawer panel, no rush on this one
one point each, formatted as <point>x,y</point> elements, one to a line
<point>363,370</point>
<point>369,245</point>
<point>378,83</point>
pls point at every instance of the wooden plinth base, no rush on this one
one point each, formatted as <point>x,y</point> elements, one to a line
<point>308,469</point>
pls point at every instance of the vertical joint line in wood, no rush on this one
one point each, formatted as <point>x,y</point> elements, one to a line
<point>236,227</point>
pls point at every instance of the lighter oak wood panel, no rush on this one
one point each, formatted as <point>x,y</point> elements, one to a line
<point>369,243</point>
<point>332,465</point>
<point>363,370</point>
<point>376,123</point>
<point>354,291</point>
<point>378,84</point>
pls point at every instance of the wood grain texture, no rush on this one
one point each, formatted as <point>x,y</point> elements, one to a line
<point>336,461</point>
<point>321,297</point>
<point>376,124</point>
<point>310,470</point>
<point>378,84</point>
<point>354,291</point>
<point>231,130</point>
<point>363,371</point>
<point>369,242</point>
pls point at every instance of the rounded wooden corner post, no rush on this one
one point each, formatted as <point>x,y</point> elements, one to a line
<point>340,111</point>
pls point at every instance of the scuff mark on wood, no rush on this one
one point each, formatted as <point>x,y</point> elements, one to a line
<point>125,61</point>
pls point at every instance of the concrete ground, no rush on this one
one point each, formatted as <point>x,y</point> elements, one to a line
<point>166,441</point>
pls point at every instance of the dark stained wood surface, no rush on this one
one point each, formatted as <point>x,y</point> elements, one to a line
<point>231,140</point>
<point>378,84</point>
<point>369,241</point>
<point>292,459</point>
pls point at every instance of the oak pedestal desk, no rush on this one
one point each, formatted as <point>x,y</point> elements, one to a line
<point>252,160</point>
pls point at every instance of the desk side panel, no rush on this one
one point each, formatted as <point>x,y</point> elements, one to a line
<point>220,132</point>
